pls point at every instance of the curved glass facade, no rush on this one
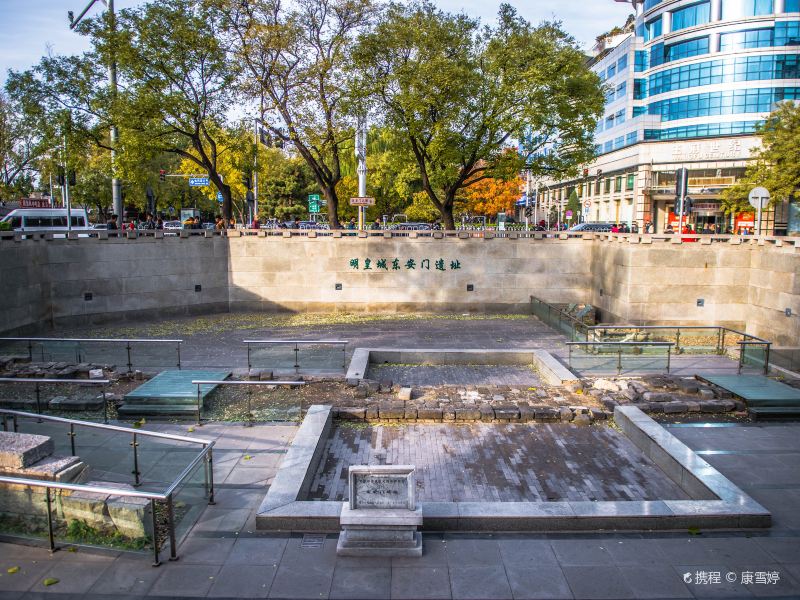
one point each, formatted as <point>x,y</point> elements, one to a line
<point>684,46</point>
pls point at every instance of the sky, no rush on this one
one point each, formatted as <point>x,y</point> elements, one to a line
<point>32,28</point>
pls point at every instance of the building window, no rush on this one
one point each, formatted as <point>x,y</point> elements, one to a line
<point>722,103</point>
<point>749,38</point>
<point>696,14</point>
<point>657,55</point>
<point>648,4</point>
<point>743,68</point>
<point>698,131</point>
<point>791,6</point>
<point>612,70</point>
<point>694,47</point>
<point>629,181</point>
<point>787,33</point>
<point>597,187</point>
<point>639,89</point>
<point>738,9</point>
<point>639,110</point>
<point>618,183</point>
<point>653,29</point>
<point>630,138</point>
<point>640,59</point>
<point>622,63</point>
<point>621,89</point>
<point>607,186</point>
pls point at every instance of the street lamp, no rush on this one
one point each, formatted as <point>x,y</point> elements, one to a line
<point>116,186</point>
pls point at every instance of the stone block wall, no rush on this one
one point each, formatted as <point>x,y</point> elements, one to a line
<point>637,281</point>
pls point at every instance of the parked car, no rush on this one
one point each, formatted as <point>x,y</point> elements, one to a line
<point>46,219</point>
<point>172,227</point>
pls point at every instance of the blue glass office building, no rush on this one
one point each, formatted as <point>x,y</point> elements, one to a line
<point>686,85</point>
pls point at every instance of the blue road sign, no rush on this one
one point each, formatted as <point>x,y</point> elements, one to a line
<point>220,199</point>
<point>198,181</point>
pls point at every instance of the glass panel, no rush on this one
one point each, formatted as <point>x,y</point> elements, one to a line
<point>738,9</point>
<point>245,403</point>
<point>697,14</point>
<point>188,501</point>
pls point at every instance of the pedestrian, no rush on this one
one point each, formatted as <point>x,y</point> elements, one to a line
<point>112,223</point>
<point>376,224</point>
<point>635,227</point>
<point>669,230</point>
<point>615,228</point>
<point>352,223</point>
<point>232,223</point>
<point>219,224</point>
<point>255,223</point>
<point>160,223</point>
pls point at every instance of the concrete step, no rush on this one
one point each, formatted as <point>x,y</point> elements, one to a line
<point>775,411</point>
<point>22,450</point>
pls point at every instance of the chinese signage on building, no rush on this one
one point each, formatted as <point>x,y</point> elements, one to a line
<point>408,264</point>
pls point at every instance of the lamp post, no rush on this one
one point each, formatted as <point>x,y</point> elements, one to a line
<point>116,186</point>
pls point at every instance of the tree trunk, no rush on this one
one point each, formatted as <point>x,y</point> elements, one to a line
<point>333,205</point>
<point>448,222</point>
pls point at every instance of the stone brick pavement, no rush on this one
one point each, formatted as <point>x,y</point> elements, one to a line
<point>499,462</point>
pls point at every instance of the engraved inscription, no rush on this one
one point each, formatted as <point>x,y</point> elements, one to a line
<point>381,491</point>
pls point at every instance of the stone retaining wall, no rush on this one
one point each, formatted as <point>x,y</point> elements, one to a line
<point>635,279</point>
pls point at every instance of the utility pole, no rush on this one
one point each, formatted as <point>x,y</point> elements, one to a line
<point>116,185</point>
<point>361,156</point>
<point>67,203</point>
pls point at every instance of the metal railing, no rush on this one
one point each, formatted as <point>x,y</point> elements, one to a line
<point>18,236</point>
<point>560,320</point>
<point>205,455</point>
<point>37,346</point>
<point>38,392</point>
<point>631,350</point>
<point>296,349</point>
<point>689,339</point>
<point>248,386</point>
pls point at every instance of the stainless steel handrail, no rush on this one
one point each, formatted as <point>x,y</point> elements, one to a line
<point>297,344</point>
<point>126,341</point>
<point>37,390</point>
<point>140,432</point>
<point>205,454</point>
<point>620,345</point>
<point>717,327</point>
<point>249,423</point>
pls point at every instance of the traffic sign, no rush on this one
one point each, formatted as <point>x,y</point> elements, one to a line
<point>313,203</point>
<point>198,181</point>
<point>220,199</point>
<point>569,214</point>
<point>759,198</point>
<point>587,204</point>
<point>365,201</point>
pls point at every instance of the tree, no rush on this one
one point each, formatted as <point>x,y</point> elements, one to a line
<point>295,64</point>
<point>176,84</point>
<point>574,205</point>
<point>460,95</point>
<point>775,166</point>
<point>22,143</point>
<point>491,195</point>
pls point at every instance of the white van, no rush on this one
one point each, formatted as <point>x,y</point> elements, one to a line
<point>46,219</point>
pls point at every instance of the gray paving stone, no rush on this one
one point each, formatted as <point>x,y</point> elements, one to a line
<point>127,575</point>
<point>302,580</point>
<point>463,552</point>
<point>73,577</point>
<point>29,574</point>
<point>581,552</point>
<point>522,552</point>
<point>781,549</point>
<point>361,582</point>
<point>597,583</point>
<point>420,583</point>
<point>257,551</point>
<point>205,551</point>
<point>184,580</point>
<point>655,582</point>
<point>629,551</point>
<point>545,581</point>
<point>485,583</point>
<point>243,581</point>
<point>724,589</point>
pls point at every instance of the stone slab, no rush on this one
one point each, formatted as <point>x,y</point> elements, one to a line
<point>20,450</point>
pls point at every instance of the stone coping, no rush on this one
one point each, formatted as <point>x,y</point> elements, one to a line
<point>717,503</point>
<point>548,367</point>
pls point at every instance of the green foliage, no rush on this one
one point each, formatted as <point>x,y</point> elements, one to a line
<point>82,533</point>
<point>422,209</point>
<point>775,165</point>
<point>460,94</point>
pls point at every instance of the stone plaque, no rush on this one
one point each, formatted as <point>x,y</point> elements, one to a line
<point>382,487</point>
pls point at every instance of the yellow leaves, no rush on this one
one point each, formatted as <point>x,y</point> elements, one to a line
<point>491,196</point>
<point>12,570</point>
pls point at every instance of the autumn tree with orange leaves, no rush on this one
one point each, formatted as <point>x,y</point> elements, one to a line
<point>491,196</point>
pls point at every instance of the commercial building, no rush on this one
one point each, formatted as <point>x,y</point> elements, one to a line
<point>687,82</point>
